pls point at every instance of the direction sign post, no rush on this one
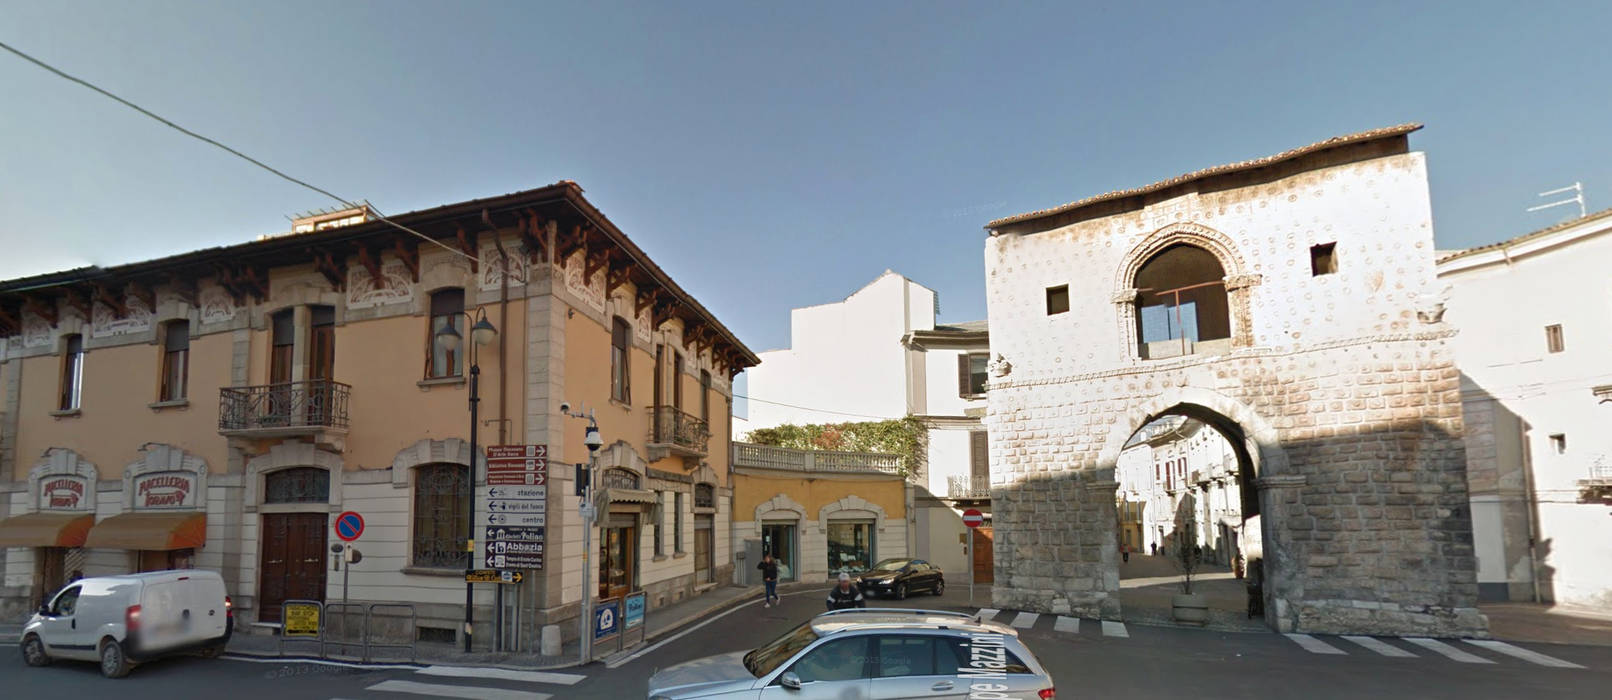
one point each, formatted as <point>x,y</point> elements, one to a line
<point>516,515</point>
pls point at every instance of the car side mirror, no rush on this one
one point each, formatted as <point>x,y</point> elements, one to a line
<point>789,680</point>
<point>44,610</point>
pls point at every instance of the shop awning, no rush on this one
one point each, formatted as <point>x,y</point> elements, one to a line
<point>46,529</point>
<point>150,531</point>
<point>621,495</point>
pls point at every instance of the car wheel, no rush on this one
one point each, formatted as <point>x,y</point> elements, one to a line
<point>212,652</point>
<point>33,651</point>
<point>114,664</point>
<point>940,586</point>
<point>901,591</point>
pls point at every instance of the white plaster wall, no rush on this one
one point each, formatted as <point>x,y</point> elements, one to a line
<point>1383,253</point>
<point>948,457</point>
<point>941,385</point>
<point>1501,310</point>
<point>845,356</point>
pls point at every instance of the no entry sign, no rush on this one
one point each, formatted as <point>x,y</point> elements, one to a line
<point>349,526</point>
<point>973,518</point>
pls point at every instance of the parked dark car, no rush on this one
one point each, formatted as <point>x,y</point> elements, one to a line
<point>898,577</point>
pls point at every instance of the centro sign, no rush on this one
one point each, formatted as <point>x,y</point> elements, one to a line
<point>165,490</point>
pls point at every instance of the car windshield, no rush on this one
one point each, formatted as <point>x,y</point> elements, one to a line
<point>892,565</point>
<point>766,658</point>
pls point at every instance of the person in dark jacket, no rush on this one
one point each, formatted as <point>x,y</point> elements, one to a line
<point>769,576</point>
<point>845,595</point>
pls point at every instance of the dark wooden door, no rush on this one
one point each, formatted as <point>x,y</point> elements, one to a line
<point>984,566</point>
<point>293,561</point>
<point>702,548</point>
<point>321,364</point>
<point>617,545</point>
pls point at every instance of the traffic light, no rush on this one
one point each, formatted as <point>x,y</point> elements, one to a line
<point>582,480</point>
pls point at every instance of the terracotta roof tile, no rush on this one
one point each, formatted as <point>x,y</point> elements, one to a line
<point>1453,255</point>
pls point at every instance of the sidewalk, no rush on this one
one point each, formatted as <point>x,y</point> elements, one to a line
<point>1536,622</point>
<point>657,623</point>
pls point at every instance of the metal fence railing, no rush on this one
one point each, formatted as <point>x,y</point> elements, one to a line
<point>316,403</point>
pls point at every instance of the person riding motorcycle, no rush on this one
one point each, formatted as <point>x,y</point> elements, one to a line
<point>845,595</point>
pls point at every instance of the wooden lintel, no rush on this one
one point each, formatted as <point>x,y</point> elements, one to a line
<point>79,302</point>
<point>533,236</point>
<point>567,245</point>
<point>467,244</point>
<point>185,288</point>
<point>112,301</point>
<point>372,264</point>
<point>144,293</point>
<point>43,308</point>
<point>333,267</point>
<point>408,251</point>
<point>664,312</point>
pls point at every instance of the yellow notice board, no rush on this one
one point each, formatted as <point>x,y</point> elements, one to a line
<point>301,619</point>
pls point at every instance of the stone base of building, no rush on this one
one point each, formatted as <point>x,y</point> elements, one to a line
<point>16,604</point>
<point>1386,619</point>
<point>1093,604</point>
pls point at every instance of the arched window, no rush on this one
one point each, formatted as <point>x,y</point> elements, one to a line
<point>297,485</point>
<point>618,478</point>
<point>440,529</point>
<point>1181,305</point>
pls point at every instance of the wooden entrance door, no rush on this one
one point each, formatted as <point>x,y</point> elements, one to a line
<point>617,545</point>
<point>702,548</point>
<point>984,566</point>
<point>321,364</point>
<point>50,574</point>
<point>292,566</point>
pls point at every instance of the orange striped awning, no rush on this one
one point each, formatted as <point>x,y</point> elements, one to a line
<point>46,529</point>
<point>150,531</point>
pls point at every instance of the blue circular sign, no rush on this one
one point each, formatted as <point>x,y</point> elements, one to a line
<point>349,526</point>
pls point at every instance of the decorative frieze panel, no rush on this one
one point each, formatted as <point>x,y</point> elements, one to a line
<point>641,325</point>
<point>393,287</point>
<point>216,305</point>
<point>35,331</point>
<point>106,324</point>
<point>492,274</point>
<point>590,291</point>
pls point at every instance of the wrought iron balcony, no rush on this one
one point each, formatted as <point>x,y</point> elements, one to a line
<point>679,432</point>
<point>291,408</point>
<point>962,487</point>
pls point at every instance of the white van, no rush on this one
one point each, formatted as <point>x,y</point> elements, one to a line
<point>123,620</point>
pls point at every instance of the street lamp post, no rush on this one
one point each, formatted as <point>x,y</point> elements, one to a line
<point>593,441</point>
<point>482,332</point>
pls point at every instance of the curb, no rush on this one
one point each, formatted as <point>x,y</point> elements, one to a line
<point>686,620</point>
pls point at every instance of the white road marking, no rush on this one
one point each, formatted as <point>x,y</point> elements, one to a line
<point>456,691</point>
<point>1446,650</point>
<point>503,674</point>
<point>1521,653</point>
<point>1313,645</point>
<point>987,613</point>
<point>1025,620</point>
<point>1380,646</point>
<point>1066,624</point>
<point>1112,628</point>
<point>321,662</point>
<point>629,658</point>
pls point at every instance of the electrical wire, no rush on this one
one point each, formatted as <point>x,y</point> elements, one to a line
<point>351,205</point>
<point>814,410</point>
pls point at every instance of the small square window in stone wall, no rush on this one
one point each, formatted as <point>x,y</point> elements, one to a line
<point>1323,259</point>
<point>1057,299</point>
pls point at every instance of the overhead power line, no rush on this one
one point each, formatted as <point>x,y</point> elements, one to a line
<point>814,410</point>
<point>349,204</point>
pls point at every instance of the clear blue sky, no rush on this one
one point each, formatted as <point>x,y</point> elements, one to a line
<point>768,156</point>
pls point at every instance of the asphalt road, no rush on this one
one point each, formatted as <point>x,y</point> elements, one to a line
<point>1093,661</point>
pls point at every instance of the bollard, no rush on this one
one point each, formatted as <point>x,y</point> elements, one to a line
<point>551,641</point>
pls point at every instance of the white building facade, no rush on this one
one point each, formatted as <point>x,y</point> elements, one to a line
<point>1535,320</point>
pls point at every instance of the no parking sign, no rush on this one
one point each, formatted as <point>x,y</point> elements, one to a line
<point>349,526</point>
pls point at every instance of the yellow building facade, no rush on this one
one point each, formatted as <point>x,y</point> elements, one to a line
<point>221,408</point>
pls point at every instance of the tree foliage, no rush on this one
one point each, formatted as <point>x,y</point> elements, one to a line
<point>904,437</point>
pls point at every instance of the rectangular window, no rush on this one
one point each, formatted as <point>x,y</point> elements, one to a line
<point>447,311</point>
<point>1553,338</point>
<point>620,371</point>
<point>1057,299</point>
<point>677,523</point>
<point>677,380</point>
<point>1323,259</point>
<point>705,398</point>
<point>660,517</point>
<point>972,371</point>
<point>850,546</point>
<point>175,360</point>
<point>980,455</point>
<point>72,384</point>
<point>439,515</point>
<point>283,337</point>
<point>1558,443</point>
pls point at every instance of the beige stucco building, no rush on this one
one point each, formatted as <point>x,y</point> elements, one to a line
<point>220,408</point>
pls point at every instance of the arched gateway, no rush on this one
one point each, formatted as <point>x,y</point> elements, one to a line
<point>1279,301</point>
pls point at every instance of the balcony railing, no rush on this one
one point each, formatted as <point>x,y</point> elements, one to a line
<point>968,487</point>
<point>680,431</point>
<point>283,408</point>
<point>766,456</point>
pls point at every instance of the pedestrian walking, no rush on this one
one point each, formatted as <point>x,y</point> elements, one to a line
<point>1125,553</point>
<point>845,595</point>
<point>1155,549</point>
<point>769,577</point>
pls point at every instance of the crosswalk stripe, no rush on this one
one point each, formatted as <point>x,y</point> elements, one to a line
<point>1066,624</point>
<point>456,691</point>
<point>987,613</point>
<point>1025,620</point>
<point>503,674</point>
<point>1114,629</point>
<point>1447,650</point>
<point>1380,646</point>
<point>1313,645</point>
<point>1521,653</point>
